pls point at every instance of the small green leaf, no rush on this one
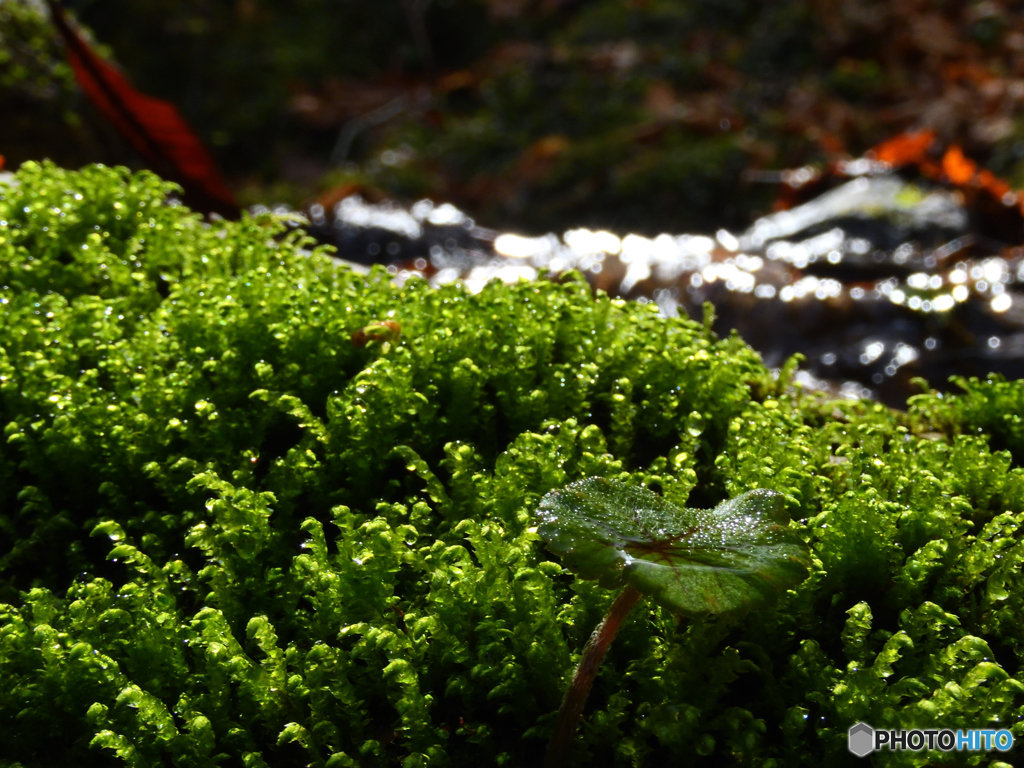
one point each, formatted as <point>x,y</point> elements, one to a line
<point>736,556</point>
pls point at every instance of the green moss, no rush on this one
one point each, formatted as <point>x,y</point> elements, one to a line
<point>230,536</point>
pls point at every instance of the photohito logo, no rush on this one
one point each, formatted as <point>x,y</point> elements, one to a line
<point>862,740</point>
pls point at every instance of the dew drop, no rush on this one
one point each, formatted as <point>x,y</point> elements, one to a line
<point>695,424</point>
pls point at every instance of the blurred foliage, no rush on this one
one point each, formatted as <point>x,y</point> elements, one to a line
<point>230,535</point>
<point>37,96</point>
<point>30,59</point>
<point>543,114</point>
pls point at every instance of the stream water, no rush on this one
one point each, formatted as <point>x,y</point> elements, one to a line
<point>878,279</point>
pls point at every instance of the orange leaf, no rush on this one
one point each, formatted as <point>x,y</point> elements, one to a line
<point>993,184</point>
<point>548,147</point>
<point>905,149</point>
<point>455,81</point>
<point>958,169</point>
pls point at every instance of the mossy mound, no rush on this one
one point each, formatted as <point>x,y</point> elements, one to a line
<point>232,536</point>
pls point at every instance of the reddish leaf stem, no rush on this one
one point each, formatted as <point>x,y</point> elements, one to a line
<point>576,696</point>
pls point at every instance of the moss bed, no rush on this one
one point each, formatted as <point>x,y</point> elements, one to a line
<point>231,536</point>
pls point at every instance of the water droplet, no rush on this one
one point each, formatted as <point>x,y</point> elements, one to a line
<point>695,424</point>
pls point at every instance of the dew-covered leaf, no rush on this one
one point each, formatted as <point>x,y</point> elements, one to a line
<point>736,556</point>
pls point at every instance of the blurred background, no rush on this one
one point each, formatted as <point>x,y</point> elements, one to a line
<point>532,115</point>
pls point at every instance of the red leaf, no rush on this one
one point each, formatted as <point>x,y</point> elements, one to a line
<point>154,128</point>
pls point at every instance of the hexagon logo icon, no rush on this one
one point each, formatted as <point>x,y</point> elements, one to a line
<point>861,739</point>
